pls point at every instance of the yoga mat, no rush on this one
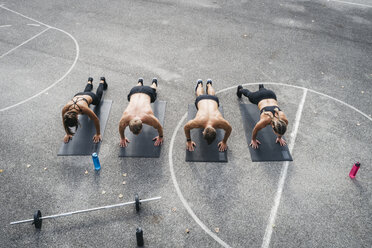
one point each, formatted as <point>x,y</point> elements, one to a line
<point>82,142</point>
<point>268,150</point>
<point>204,152</point>
<point>142,145</point>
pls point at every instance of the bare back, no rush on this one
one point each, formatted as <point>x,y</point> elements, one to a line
<point>139,106</point>
<point>208,113</point>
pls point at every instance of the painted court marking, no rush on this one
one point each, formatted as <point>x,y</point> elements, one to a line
<point>283,176</point>
<point>25,42</point>
<point>271,221</point>
<point>5,26</point>
<point>60,79</point>
<point>350,3</point>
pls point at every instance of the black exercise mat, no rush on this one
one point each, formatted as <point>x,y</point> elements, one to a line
<point>204,152</point>
<point>268,150</point>
<point>82,142</point>
<point>142,145</point>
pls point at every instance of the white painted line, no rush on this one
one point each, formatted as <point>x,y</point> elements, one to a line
<point>33,24</point>
<point>5,26</point>
<point>59,80</point>
<point>15,12</point>
<point>283,176</point>
<point>179,193</point>
<point>350,3</point>
<point>33,37</point>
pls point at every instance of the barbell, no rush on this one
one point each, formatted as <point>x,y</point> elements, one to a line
<point>38,218</point>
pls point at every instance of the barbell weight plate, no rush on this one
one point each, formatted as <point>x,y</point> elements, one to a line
<point>37,221</point>
<point>137,202</point>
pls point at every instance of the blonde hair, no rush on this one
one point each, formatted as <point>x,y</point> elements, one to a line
<point>279,126</point>
<point>209,134</point>
<point>135,125</point>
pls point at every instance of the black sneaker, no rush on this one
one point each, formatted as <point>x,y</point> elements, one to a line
<point>90,79</point>
<point>238,93</point>
<point>104,84</point>
<point>155,81</point>
<point>260,86</point>
<point>140,80</point>
<point>209,81</point>
<point>197,84</point>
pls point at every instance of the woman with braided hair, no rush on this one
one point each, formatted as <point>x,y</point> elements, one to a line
<point>79,104</point>
<point>270,113</point>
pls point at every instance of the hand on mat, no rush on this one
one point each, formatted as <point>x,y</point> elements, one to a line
<point>67,138</point>
<point>281,141</point>
<point>254,143</point>
<point>97,138</point>
<point>222,146</point>
<point>190,146</point>
<point>124,142</point>
<point>158,141</point>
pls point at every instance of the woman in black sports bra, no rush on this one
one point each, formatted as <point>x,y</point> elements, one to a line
<point>79,104</point>
<point>270,113</point>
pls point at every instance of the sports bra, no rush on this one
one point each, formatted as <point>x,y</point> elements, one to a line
<point>270,108</point>
<point>74,104</point>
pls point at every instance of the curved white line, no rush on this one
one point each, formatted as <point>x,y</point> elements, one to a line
<point>170,156</point>
<point>59,80</point>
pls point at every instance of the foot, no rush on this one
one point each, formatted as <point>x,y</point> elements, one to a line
<point>140,81</point>
<point>209,81</point>
<point>197,84</point>
<point>90,80</point>
<point>104,83</point>
<point>260,86</point>
<point>238,92</point>
<point>155,81</point>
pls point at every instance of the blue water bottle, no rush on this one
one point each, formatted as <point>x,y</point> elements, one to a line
<point>97,165</point>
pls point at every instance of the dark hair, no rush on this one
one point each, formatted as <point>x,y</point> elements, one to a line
<point>70,119</point>
<point>135,125</point>
<point>209,134</point>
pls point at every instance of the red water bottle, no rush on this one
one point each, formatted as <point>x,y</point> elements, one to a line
<point>354,170</point>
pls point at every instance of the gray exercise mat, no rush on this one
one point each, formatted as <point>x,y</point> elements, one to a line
<point>142,145</point>
<point>204,152</point>
<point>82,142</point>
<point>268,150</point>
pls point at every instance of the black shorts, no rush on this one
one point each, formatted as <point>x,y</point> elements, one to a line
<point>151,92</point>
<point>258,96</point>
<point>95,98</point>
<point>206,97</point>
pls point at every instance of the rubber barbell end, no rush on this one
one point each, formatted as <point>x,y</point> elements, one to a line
<point>139,236</point>
<point>137,202</point>
<point>37,219</point>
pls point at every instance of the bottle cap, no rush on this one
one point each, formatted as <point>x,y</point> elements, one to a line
<point>357,164</point>
<point>94,154</point>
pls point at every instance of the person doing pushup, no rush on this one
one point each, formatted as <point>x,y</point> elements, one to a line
<point>270,113</point>
<point>139,112</point>
<point>207,117</point>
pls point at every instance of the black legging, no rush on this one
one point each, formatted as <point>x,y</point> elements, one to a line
<point>257,96</point>
<point>96,97</point>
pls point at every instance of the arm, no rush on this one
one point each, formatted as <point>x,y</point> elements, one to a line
<point>68,136</point>
<point>97,137</point>
<point>154,122</point>
<point>225,125</point>
<point>259,125</point>
<point>187,128</point>
<point>122,125</point>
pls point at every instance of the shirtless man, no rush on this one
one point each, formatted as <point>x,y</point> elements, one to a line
<point>207,117</point>
<point>139,111</point>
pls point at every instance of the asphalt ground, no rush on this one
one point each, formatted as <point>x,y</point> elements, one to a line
<point>316,56</point>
